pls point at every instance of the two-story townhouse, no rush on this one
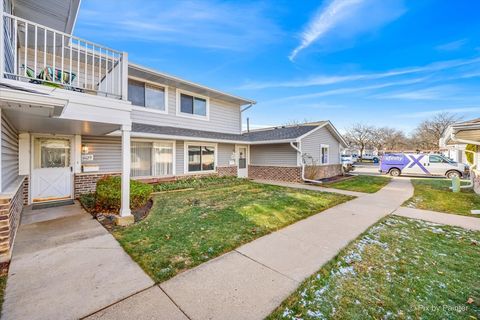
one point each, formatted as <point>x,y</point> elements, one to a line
<point>73,111</point>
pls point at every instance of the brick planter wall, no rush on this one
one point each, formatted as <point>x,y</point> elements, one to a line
<point>10,210</point>
<point>288,174</point>
<point>87,182</point>
<point>322,172</point>
<point>227,171</point>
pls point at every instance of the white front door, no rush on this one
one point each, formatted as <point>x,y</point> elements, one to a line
<point>242,162</point>
<point>52,170</point>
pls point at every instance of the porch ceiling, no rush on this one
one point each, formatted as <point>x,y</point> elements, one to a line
<point>36,122</point>
<point>473,135</point>
<point>57,14</point>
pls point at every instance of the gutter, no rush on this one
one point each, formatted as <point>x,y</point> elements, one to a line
<point>303,166</point>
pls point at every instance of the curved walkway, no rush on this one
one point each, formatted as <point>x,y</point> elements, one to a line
<point>251,281</point>
<point>471,223</point>
<point>65,265</point>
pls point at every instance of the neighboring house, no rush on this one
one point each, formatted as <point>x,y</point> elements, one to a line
<point>73,112</point>
<point>467,132</point>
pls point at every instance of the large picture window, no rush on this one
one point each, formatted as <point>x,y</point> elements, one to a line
<point>145,95</point>
<point>151,159</point>
<point>201,158</point>
<point>193,105</point>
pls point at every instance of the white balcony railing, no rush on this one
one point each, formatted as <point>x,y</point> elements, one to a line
<point>41,55</point>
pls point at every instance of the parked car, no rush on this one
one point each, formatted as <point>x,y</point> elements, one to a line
<point>370,157</point>
<point>421,164</point>
<point>347,159</point>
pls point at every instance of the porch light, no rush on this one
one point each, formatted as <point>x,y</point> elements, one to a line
<point>84,149</point>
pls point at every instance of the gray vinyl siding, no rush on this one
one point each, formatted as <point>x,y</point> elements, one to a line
<point>311,145</point>
<point>179,165</point>
<point>225,152</point>
<point>273,155</point>
<point>223,116</point>
<point>107,152</point>
<point>9,153</point>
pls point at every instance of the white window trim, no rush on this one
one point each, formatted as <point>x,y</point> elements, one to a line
<point>174,156</point>
<point>328,154</point>
<point>188,115</point>
<point>153,84</point>
<point>197,144</point>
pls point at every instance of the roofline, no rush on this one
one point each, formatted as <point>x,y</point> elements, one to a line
<point>162,74</point>
<point>453,129</point>
<point>72,18</point>
<point>136,134</point>
<point>339,136</point>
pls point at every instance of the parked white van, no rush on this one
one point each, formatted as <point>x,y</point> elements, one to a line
<point>396,164</point>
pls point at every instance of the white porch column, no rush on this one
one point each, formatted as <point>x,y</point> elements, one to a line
<point>125,200</point>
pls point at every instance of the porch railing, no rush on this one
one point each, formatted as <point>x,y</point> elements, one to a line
<point>42,55</point>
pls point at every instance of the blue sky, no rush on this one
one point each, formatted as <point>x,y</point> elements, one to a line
<point>381,62</point>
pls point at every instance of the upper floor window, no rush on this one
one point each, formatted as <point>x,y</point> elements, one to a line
<point>145,95</point>
<point>193,105</point>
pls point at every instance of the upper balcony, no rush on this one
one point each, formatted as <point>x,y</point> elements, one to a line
<point>41,55</point>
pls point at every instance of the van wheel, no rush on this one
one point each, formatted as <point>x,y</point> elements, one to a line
<point>452,174</point>
<point>394,172</point>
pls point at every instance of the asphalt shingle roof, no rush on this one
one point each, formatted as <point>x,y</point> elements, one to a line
<point>270,134</point>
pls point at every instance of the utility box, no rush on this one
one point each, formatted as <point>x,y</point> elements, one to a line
<point>456,184</point>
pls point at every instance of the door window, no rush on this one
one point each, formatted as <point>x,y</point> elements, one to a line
<point>51,153</point>
<point>242,158</point>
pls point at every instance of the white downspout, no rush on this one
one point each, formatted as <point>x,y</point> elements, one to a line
<point>303,165</point>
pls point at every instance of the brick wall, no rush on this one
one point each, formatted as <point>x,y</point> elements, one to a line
<point>227,171</point>
<point>26,183</point>
<point>323,171</point>
<point>288,174</point>
<point>87,182</point>
<point>10,211</point>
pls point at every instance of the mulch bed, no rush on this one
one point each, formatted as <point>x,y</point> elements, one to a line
<point>107,219</point>
<point>4,268</point>
<point>338,178</point>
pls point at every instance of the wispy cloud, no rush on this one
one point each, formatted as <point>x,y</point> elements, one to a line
<point>342,91</point>
<point>433,93</point>
<point>320,80</point>
<point>215,24</point>
<point>452,46</point>
<point>350,17</point>
<point>424,114</point>
<point>323,21</point>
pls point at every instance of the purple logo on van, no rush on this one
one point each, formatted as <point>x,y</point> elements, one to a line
<point>402,161</point>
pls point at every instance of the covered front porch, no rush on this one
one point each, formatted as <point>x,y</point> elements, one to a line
<point>41,150</point>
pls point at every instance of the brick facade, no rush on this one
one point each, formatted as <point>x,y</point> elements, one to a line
<point>323,171</point>
<point>288,174</point>
<point>10,211</point>
<point>87,182</point>
<point>227,171</point>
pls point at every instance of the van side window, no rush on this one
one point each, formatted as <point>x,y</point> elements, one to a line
<point>436,159</point>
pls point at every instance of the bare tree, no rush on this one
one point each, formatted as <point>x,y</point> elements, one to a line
<point>360,135</point>
<point>428,133</point>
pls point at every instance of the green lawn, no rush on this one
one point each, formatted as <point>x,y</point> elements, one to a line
<point>186,228</point>
<point>368,184</point>
<point>435,195</point>
<point>3,284</point>
<point>399,269</point>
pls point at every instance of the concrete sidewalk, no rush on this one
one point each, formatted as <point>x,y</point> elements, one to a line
<point>65,265</point>
<point>465,222</point>
<point>250,282</point>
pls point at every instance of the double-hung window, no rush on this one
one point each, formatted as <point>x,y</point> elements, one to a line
<point>148,96</point>
<point>200,158</point>
<point>151,159</point>
<point>324,153</point>
<point>193,105</point>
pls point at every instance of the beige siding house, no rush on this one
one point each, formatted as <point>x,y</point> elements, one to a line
<point>72,112</point>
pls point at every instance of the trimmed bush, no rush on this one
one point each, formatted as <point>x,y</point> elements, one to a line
<point>109,194</point>
<point>469,155</point>
<point>195,183</point>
